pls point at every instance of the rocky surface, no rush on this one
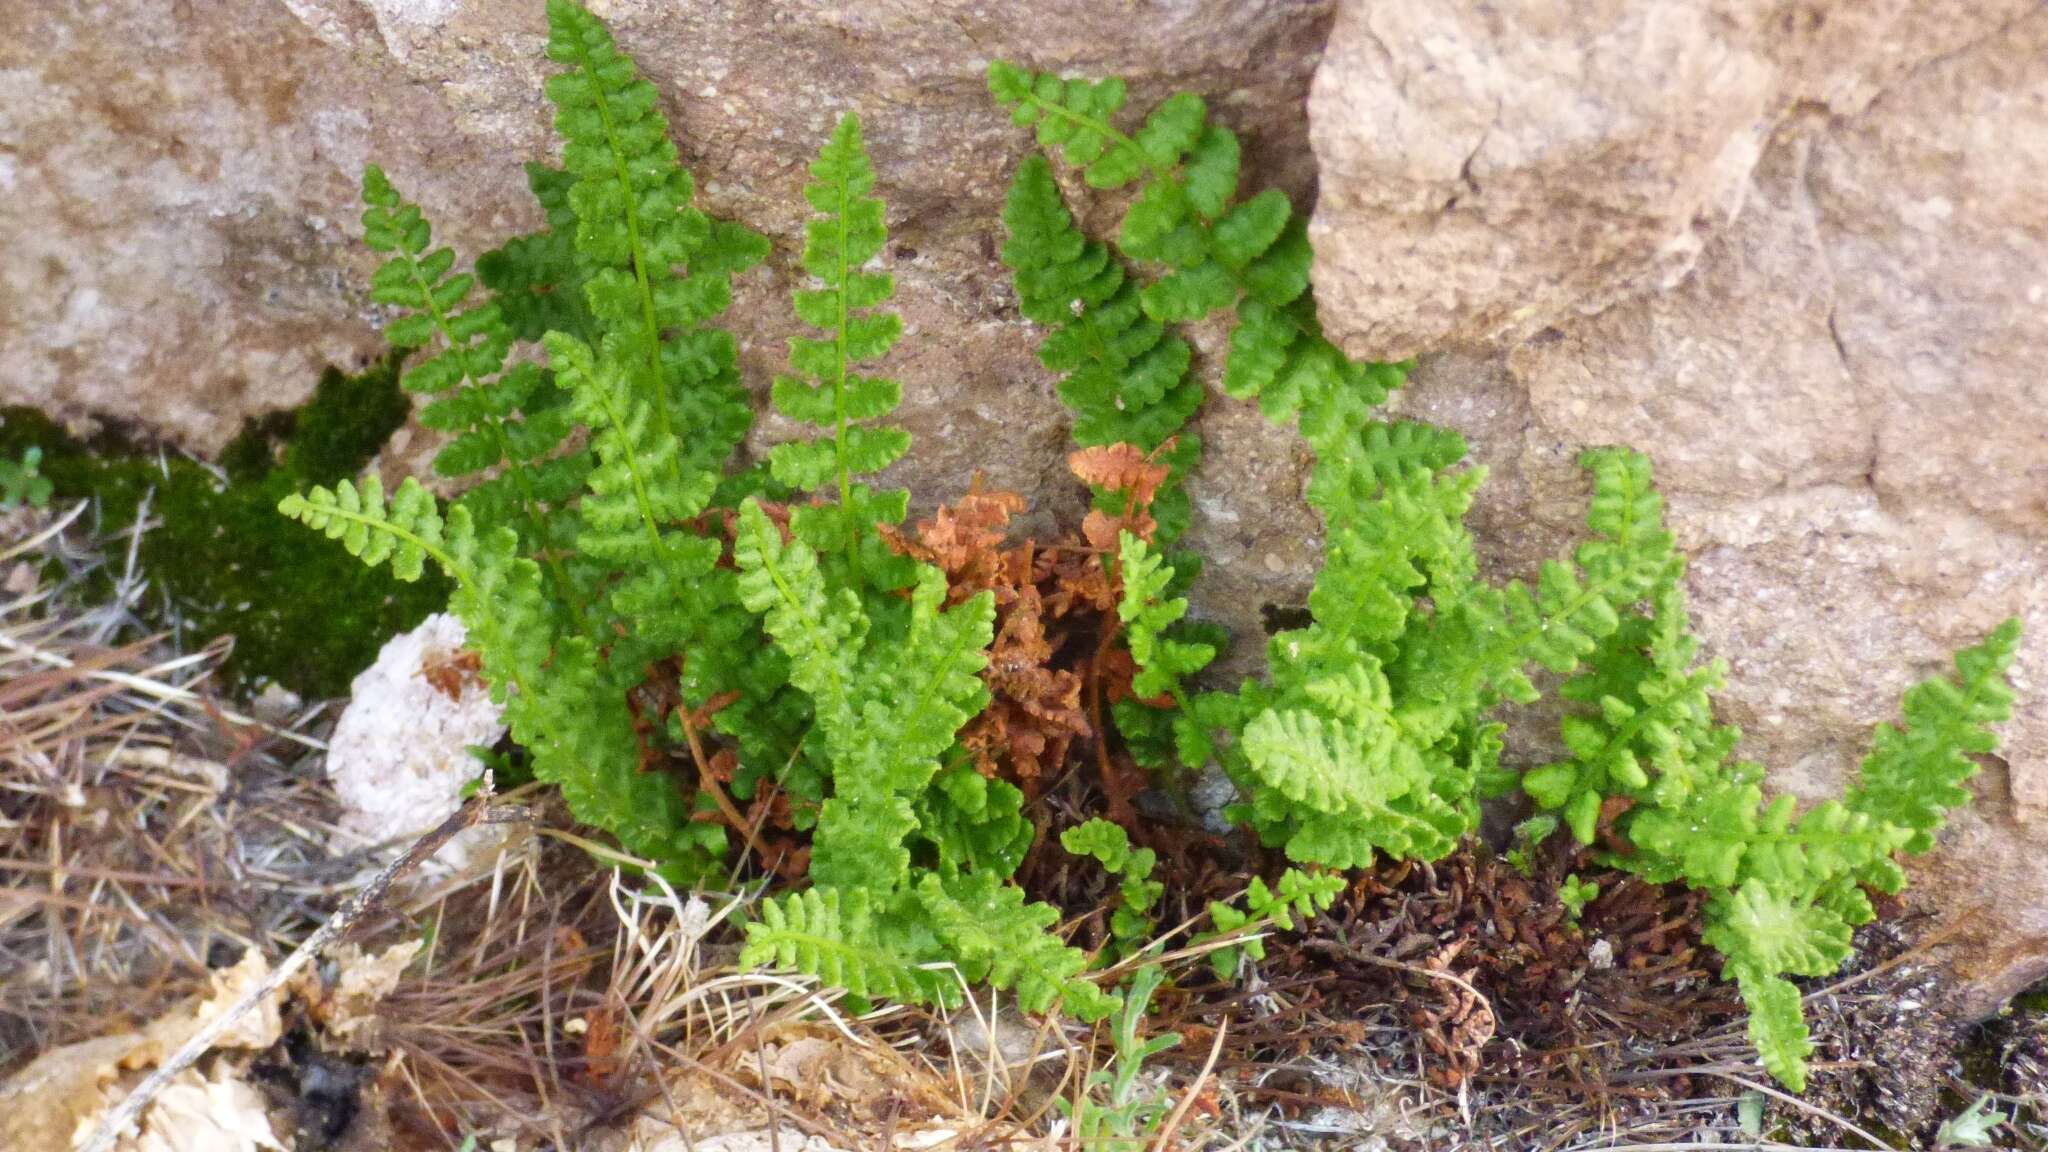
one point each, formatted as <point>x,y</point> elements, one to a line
<point>1790,251</point>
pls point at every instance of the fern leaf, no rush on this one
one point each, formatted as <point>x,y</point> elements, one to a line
<point>1484,644</point>
<point>1108,843</point>
<point>635,226</point>
<point>930,685</point>
<point>588,749</point>
<point>1252,255</point>
<point>974,824</point>
<point>477,399</point>
<point>1915,774</point>
<point>1125,377</point>
<point>834,934</point>
<point>824,390</point>
<point>406,532</point>
<point>1147,612</point>
<point>822,634</point>
<point>1768,931</point>
<point>1776,1026</point>
<point>994,935</point>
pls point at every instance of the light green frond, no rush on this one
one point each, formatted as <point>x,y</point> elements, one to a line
<point>406,532</point>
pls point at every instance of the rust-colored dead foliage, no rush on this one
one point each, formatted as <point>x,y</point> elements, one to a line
<point>1054,660</point>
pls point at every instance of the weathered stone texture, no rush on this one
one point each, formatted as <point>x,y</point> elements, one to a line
<point>1841,381</point>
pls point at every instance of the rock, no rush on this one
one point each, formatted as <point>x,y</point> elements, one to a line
<point>1842,390</point>
<point>59,1099</point>
<point>1487,173</point>
<point>400,755</point>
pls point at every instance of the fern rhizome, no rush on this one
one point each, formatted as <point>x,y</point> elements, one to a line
<point>640,599</point>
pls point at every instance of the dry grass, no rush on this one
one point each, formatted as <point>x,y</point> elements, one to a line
<point>143,826</point>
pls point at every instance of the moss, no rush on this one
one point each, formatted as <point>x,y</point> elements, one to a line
<point>2033,1001</point>
<point>345,422</point>
<point>223,561</point>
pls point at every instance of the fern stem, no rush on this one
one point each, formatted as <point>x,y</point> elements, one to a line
<point>839,387</point>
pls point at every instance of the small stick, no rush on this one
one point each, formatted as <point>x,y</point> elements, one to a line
<point>477,810</point>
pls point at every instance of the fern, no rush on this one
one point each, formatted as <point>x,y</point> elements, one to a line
<point>1147,612</point>
<point>1220,253</point>
<point>1297,894</point>
<point>1125,375</point>
<point>635,226</point>
<point>405,532</point>
<point>1371,733</point>
<point>835,935</point>
<point>1915,774</point>
<point>826,392</point>
<point>1131,925</point>
<point>494,416</point>
<point>1786,886</point>
<point>594,408</point>
<point>536,280</point>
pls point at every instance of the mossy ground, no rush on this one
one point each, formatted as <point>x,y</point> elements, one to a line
<point>221,559</point>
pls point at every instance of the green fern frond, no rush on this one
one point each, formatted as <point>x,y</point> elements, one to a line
<point>507,616</point>
<point>1147,612</point>
<point>836,935</point>
<point>971,823</point>
<point>994,935</point>
<point>1220,253</point>
<point>1914,775</point>
<point>847,234</point>
<point>490,412</point>
<point>1298,895</point>
<point>883,722</point>
<point>1131,924</point>
<point>1124,375</point>
<point>822,634</point>
<point>1770,931</point>
<point>406,532</point>
<point>1777,1027</point>
<point>589,750</point>
<point>1483,645</point>
<point>635,226</point>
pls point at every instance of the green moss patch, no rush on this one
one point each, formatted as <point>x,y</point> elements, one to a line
<point>224,562</point>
